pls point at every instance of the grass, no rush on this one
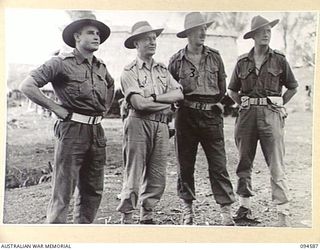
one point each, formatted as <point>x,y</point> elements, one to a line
<point>30,145</point>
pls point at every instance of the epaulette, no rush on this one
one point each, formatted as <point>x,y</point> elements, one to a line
<point>243,56</point>
<point>162,65</point>
<point>176,55</point>
<point>65,55</point>
<point>101,61</point>
<point>130,65</point>
<point>279,52</point>
<point>214,50</point>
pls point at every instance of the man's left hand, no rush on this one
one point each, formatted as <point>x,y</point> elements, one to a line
<point>219,107</point>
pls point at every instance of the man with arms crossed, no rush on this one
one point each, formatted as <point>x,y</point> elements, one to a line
<point>149,90</point>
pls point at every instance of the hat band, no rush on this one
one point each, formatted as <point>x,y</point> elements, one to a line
<point>193,23</point>
<point>142,29</point>
<point>260,25</point>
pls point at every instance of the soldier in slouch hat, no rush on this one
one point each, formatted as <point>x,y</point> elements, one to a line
<point>85,91</point>
<point>200,70</point>
<point>256,85</point>
<point>149,89</point>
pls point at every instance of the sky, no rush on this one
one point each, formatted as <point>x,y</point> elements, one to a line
<point>33,35</point>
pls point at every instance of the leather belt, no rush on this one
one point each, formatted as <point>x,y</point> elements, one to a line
<point>198,105</point>
<point>85,118</point>
<point>152,117</point>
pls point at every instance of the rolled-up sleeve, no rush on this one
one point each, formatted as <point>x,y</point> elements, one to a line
<point>109,79</point>
<point>222,73</point>
<point>288,79</point>
<point>47,71</point>
<point>235,84</point>
<point>173,69</point>
<point>129,84</point>
<point>172,83</point>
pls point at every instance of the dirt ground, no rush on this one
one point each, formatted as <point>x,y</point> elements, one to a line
<point>30,144</point>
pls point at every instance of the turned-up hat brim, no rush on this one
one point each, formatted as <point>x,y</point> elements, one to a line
<point>68,37</point>
<point>138,33</point>
<point>191,21</point>
<point>251,33</point>
<point>184,33</point>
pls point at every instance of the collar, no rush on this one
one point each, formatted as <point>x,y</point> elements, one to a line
<point>183,52</point>
<point>250,54</point>
<point>142,63</point>
<point>80,58</point>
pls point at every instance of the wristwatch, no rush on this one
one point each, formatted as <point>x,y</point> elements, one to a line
<point>154,96</point>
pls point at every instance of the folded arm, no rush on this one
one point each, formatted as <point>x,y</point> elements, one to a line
<point>141,103</point>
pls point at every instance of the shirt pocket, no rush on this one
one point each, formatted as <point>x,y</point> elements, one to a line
<point>188,79</point>
<point>212,79</point>
<point>272,82</point>
<point>246,81</point>
<point>76,85</point>
<point>144,85</point>
<point>162,83</point>
<point>100,86</point>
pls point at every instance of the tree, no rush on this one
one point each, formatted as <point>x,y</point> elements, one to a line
<point>299,36</point>
<point>77,14</point>
<point>232,22</point>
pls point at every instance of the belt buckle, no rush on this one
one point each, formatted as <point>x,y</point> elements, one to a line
<point>200,105</point>
<point>245,102</point>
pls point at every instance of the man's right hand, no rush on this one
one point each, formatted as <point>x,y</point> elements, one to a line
<point>61,112</point>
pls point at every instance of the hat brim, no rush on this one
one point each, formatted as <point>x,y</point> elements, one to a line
<point>128,43</point>
<point>251,32</point>
<point>184,33</point>
<point>67,34</point>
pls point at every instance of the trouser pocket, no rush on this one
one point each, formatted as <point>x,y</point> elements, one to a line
<point>56,129</point>
<point>281,111</point>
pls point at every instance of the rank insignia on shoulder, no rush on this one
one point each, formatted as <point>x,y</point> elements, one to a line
<point>243,56</point>
<point>279,52</point>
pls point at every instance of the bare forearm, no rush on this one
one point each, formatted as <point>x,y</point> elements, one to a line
<point>154,107</point>
<point>234,96</point>
<point>288,95</point>
<point>170,97</point>
<point>147,104</point>
<point>222,88</point>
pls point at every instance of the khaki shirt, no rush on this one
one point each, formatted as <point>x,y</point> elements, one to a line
<point>79,86</point>
<point>207,80</point>
<point>274,73</point>
<point>137,78</point>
